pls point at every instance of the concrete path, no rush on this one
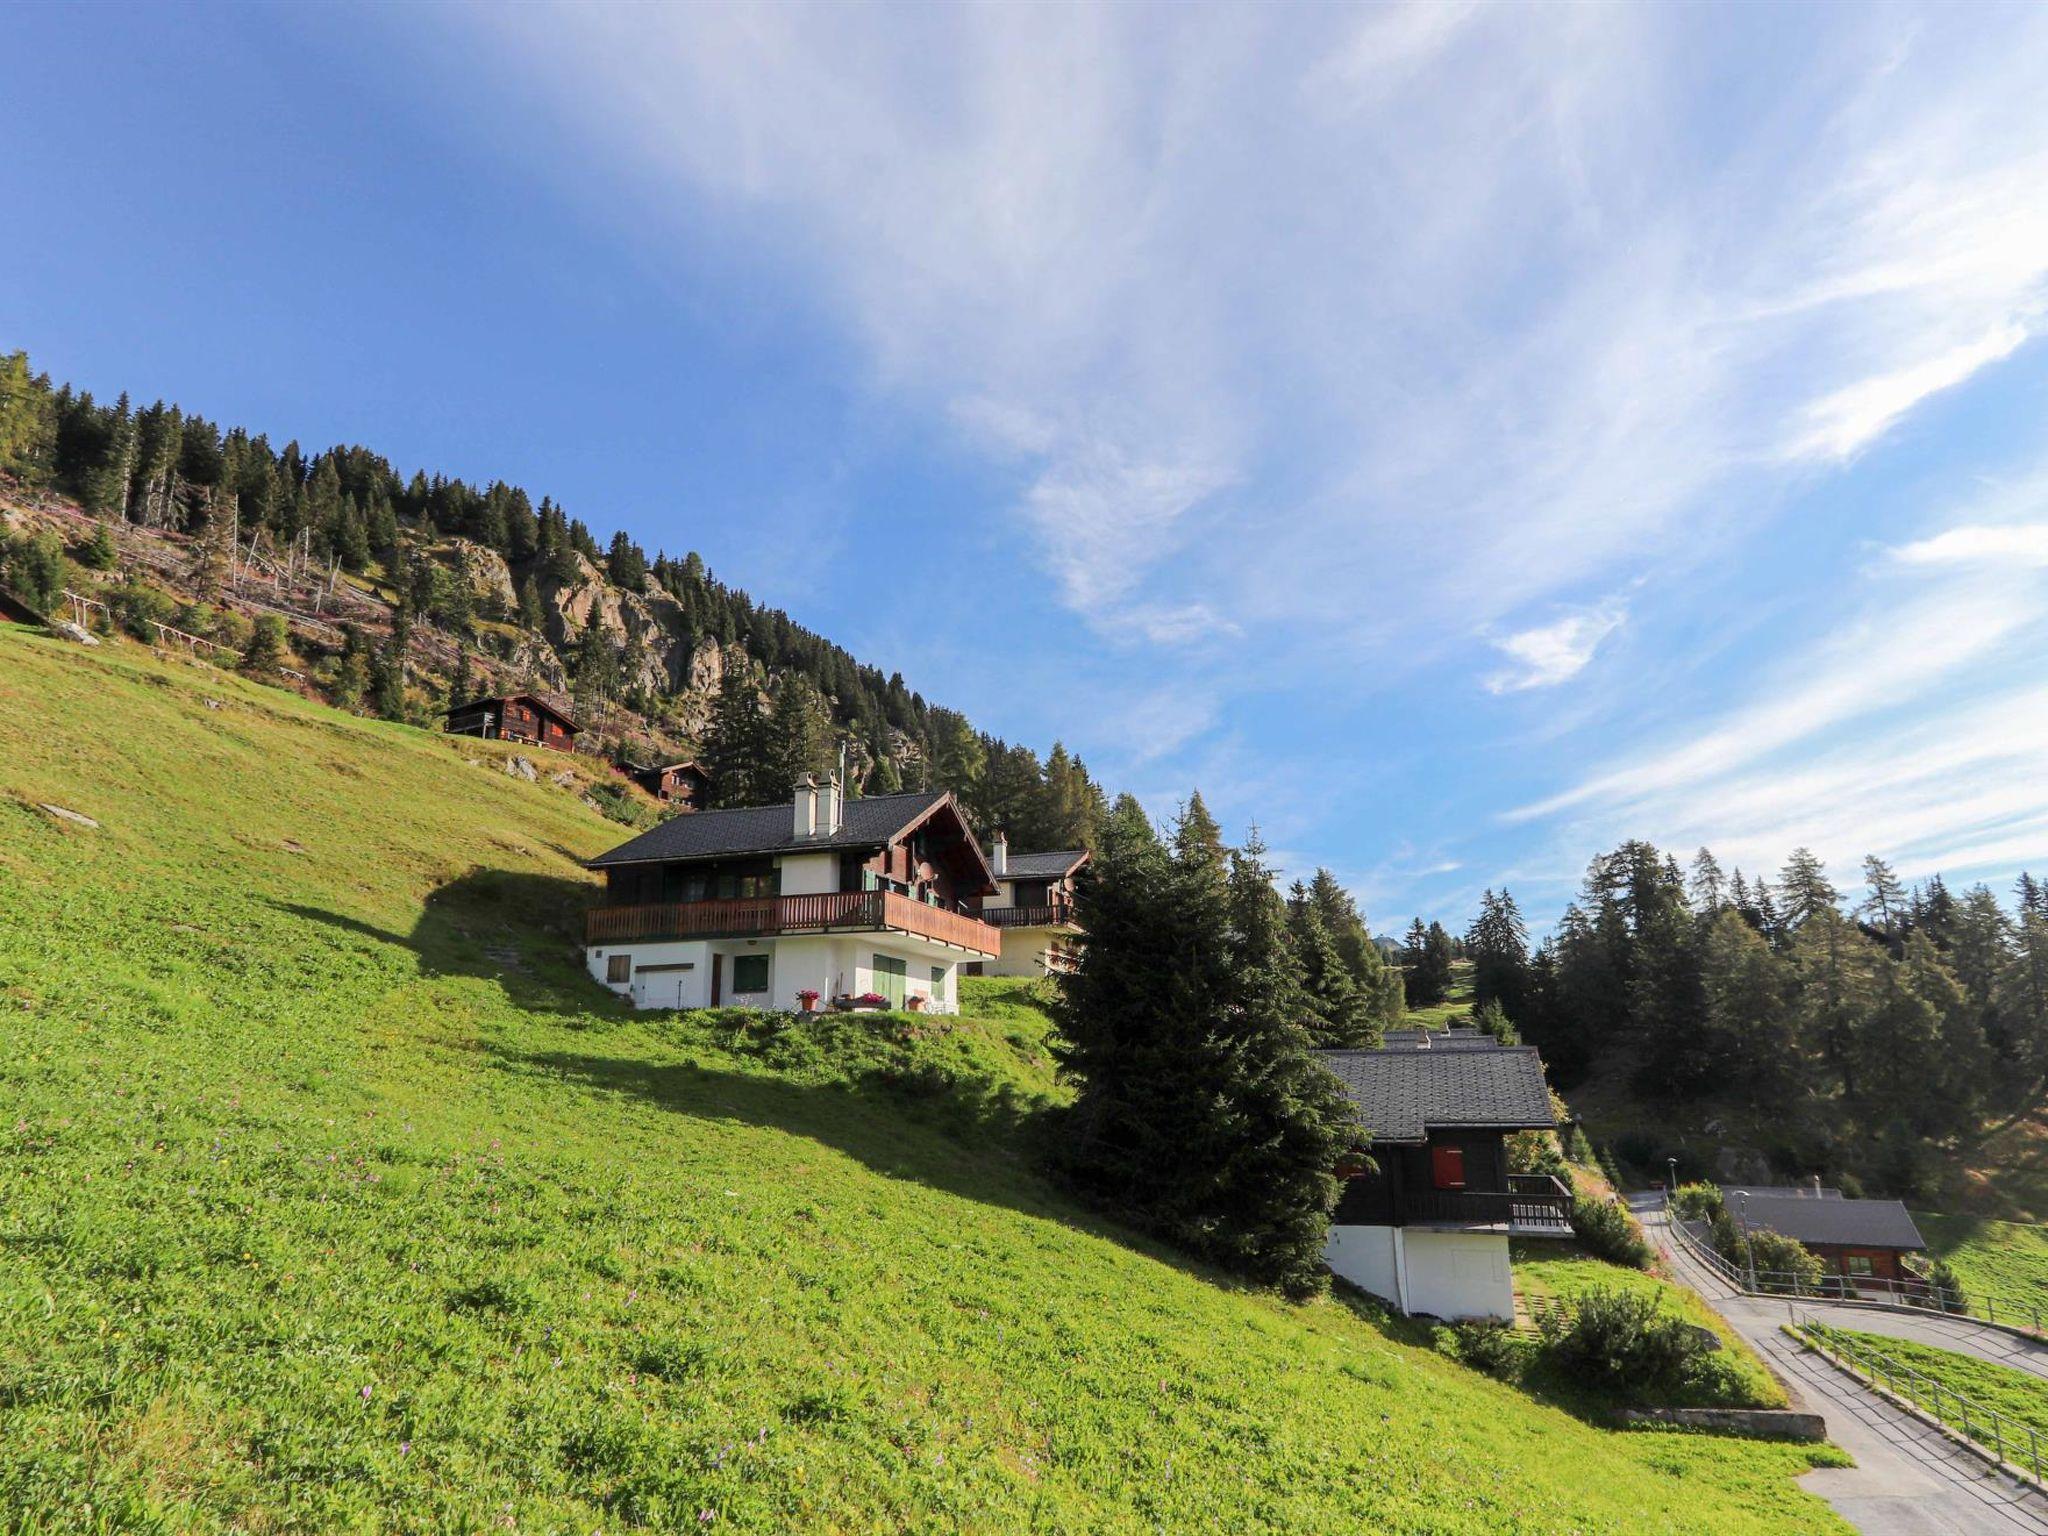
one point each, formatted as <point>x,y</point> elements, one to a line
<point>1962,1335</point>
<point>1909,1478</point>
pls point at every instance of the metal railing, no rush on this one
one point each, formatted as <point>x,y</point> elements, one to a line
<point>2009,1442</point>
<point>1532,1200</point>
<point>1857,1290</point>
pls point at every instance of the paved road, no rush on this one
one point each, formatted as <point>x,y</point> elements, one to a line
<point>1960,1334</point>
<point>1909,1478</point>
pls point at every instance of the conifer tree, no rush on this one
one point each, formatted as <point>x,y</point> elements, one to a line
<point>1336,1011</point>
<point>352,669</point>
<point>1885,906</point>
<point>100,553</point>
<point>265,652</point>
<point>1706,889</point>
<point>799,737</point>
<point>1804,889</point>
<point>736,750</point>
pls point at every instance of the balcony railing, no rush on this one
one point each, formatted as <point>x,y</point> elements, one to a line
<point>1058,915</point>
<point>1532,1202</point>
<point>772,916</point>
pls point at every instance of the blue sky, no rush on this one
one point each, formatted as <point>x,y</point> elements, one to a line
<point>1457,437</point>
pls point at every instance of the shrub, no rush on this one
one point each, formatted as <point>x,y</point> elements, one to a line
<point>265,651</point>
<point>100,552</point>
<point>1623,1343</point>
<point>36,569</point>
<point>1697,1202</point>
<point>1491,1346</point>
<point>138,607</point>
<point>1945,1288</point>
<point>1781,1263</point>
<point>1606,1230</point>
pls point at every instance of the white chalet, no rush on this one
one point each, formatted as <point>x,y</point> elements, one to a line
<point>753,907</point>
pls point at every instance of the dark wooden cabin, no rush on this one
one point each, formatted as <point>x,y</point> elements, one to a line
<point>1438,1106</point>
<point>681,786</point>
<point>521,717</point>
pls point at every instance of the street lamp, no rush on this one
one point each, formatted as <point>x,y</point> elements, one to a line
<point>1748,1247</point>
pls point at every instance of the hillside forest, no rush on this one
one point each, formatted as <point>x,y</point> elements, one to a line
<point>1877,1033</point>
<point>390,594</point>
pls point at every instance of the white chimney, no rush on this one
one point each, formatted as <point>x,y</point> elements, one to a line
<point>807,806</point>
<point>1816,1186</point>
<point>828,806</point>
<point>999,854</point>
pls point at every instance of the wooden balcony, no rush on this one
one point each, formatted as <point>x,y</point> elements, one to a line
<point>1059,915</point>
<point>1533,1204</point>
<point>776,916</point>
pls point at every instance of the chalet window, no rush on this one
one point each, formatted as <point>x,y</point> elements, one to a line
<point>618,968</point>
<point>1447,1167</point>
<point>1857,1264</point>
<point>749,973</point>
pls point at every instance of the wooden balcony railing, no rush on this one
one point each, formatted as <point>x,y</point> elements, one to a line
<point>770,916</point>
<point>1531,1202</point>
<point>1058,915</point>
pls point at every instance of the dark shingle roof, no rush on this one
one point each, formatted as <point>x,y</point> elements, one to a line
<point>866,823</point>
<point>536,700</point>
<point>1453,1039</point>
<point>1402,1094</point>
<point>1043,866</point>
<point>1852,1223</point>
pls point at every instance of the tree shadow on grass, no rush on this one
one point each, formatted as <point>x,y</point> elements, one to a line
<point>943,1131</point>
<point>522,931</point>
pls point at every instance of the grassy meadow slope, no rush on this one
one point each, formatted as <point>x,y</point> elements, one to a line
<point>333,1197</point>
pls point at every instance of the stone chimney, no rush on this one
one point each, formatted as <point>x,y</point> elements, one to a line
<point>999,854</point>
<point>807,806</point>
<point>830,806</point>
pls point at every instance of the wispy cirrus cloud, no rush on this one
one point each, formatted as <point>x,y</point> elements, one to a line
<point>1371,339</point>
<point>1556,652</point>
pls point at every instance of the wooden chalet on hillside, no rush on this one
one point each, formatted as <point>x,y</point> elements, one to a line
<point>1033,904</point>
<point>521,717</point>
<point>683,786</point>
<point>1859,1240</point>
<point>820,895</point>
<point>1426,1224</point>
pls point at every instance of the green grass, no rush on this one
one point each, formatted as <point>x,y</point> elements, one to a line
<point>2020,1396</point>
<point>1549,1269</point>
<point>336,1198</point>
<point>2003,1259</point>
<point>1452,1010</point>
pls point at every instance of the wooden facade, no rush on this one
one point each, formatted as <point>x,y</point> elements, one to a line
<point>1457,1178</point>
<point>1855,1262</point>
<point>680,786</point>
<point>521,717</point>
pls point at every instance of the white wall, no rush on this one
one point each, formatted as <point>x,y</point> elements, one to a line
<point>658,989</point>
<point>1459,1274</point>
<point>809,874</point>
<point>1451,1275</point>
<point>823,963</point>
<point>1365,1257</point>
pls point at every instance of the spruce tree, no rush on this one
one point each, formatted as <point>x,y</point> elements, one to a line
<point>799,736</point>
<point>1337,1012</point>
<point>100,553</point>
<point>1283,1120</point>
<point>736,749</point>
